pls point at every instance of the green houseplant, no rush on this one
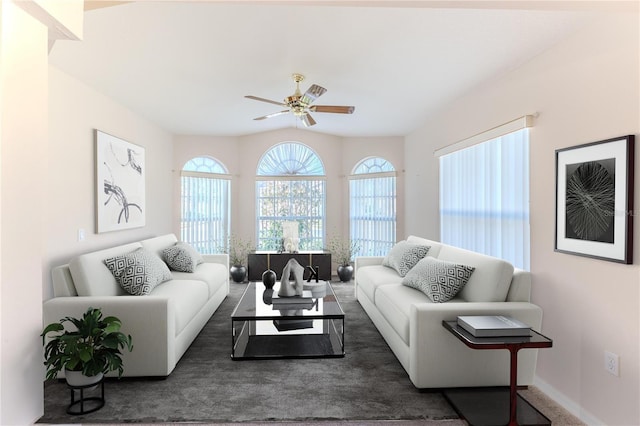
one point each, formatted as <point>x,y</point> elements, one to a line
<point>93,348</point>
<point>343,250</point>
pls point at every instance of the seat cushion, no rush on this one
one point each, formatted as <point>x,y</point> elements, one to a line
<point>214,274</point>
<point>188,297</point>
<point>394,303</point>
<point>372,276</point>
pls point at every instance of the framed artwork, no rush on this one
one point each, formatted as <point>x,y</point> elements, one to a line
<point>120,184</point>
<point>594,200</point>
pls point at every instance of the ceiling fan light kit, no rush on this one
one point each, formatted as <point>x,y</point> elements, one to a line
<point>299,104</point>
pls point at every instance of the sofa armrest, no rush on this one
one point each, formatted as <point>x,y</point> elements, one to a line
<point>431,344</point>
<point>150,320</point>
<point>222,258</point>
<point>361,261</point>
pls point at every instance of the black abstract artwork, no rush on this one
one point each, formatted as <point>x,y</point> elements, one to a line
<point>590,200</point>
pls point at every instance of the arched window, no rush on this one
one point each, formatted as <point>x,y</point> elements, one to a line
<point>372,206</point>
<point>205,188</point>
<point>290,186</point>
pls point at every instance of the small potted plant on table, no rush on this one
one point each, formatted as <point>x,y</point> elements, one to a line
<point>88,352</point>
<point>238,250</point>
<point>343,251</point>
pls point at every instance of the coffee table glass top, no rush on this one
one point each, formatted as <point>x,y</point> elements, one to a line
<point>258,303</point>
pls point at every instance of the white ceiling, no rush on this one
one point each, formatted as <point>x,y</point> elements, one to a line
<point>187,65</point>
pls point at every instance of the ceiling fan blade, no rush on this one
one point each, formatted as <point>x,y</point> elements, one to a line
<point>307,120</point>
<point>333,108</point>
<point>275,114</point>
<point>255,98</point>
<point>313,93</point>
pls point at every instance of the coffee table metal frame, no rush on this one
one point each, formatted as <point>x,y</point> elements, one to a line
<point>513,345</point>
<point>303,328</point>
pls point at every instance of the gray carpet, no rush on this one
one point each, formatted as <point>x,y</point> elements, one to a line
<point>208,387</point>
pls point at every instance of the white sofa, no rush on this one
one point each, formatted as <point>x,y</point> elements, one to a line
<point>411,323</point>
<point>163,324</point>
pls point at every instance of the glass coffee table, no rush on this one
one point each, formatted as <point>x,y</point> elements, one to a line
<point>264,326</point>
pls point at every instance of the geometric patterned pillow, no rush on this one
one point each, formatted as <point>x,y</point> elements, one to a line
<point>138,272</point>
<point>438,279</point>
<point>182,257</point>
<point>404,255</point>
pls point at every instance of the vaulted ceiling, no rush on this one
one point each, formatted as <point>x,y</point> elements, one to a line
<point>188,65</point>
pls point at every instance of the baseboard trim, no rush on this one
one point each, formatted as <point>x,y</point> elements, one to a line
<point>567,403</point>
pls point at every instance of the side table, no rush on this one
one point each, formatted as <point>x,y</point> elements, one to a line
<point>483,406</point>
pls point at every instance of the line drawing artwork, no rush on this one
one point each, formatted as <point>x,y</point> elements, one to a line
<point>120,184</point>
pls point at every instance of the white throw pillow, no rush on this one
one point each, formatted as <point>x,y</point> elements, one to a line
<point>404,255</point>
<point>139,271</point>
<point>438,279</point>
<point>182,257</point>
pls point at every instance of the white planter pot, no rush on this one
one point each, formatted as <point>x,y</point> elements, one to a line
<point>76,378</point>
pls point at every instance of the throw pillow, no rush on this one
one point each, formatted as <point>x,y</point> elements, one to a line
<point>139,271</point>
<point>438,279</point>
<point>404,255</point>
<point>182,257</point>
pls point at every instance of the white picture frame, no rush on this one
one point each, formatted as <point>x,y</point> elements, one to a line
<point>120,183</point>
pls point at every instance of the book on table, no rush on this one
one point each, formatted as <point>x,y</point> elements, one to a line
<point>493,326</point>
<point>306,298</point>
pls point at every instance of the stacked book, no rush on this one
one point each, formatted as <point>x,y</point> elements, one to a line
<point>494,326</point>
<point>306,301</point>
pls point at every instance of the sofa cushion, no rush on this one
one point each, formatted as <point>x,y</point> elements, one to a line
<point>182,257</point>
<point>187,296</point>
<point>92,277</point>
<point>438,279</point>
<point>157,244</point>
<point>394,303</point>
<point>404,255</point>
<point>435,245</point>
<point>138,272</point>
<point>370,277</point>
<point>489,282</point>
<point>214,274</point>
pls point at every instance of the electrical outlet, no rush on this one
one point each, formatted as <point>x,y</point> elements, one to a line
<point>611,363</point>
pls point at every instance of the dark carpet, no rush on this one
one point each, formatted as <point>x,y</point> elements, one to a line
<point>208,387</point>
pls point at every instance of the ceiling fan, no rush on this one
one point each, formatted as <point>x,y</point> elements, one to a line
<point>300,104</point>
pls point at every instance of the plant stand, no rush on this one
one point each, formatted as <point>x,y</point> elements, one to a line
<point>86,404</point>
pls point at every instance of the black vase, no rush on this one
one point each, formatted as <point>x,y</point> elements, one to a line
<point>345,273</point>
<point>238,273</point>
<point>269,278</point>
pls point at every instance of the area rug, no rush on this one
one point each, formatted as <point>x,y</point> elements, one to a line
<point>208,387</point>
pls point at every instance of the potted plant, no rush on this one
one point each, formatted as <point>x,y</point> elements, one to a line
<point>343,251</point>
<point>238,249</point>
<point>87,352</point>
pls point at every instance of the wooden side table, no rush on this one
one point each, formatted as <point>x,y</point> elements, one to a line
<point>482,406</point>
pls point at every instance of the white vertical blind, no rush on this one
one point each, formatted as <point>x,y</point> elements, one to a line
<point>205,193</point>
<point>484,198</point>
<point>372,206</point>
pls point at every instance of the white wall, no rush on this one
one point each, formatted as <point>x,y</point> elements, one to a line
<point>242,154</point>
<point>23,135</point>
<point>586,89</point>
<point>75,110</point>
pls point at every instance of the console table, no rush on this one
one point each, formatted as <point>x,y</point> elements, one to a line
<point>489,406</point>
<point>260,261</point>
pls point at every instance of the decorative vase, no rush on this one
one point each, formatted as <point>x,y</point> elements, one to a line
<point>77,379</point>
<point>238,273</point>
<point>269,278</point>
<point>345,273</point>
